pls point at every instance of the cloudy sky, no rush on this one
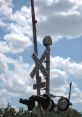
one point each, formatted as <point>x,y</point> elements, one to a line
<point>62,20</point>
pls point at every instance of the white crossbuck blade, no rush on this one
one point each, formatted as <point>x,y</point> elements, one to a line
<point>39,64</point>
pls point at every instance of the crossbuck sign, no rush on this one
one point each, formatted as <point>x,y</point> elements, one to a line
<point>39,65</point>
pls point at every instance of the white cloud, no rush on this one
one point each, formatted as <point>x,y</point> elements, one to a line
<point>5,8</point>
<point>4,47</point>
<point>2,24</point>
<point>76,96</point>
<point>22,16</point>
<point>61,71</point>
<point>19,36</point>
<point>18,26</point>
<point>58,18</point>
<point>19,31</point>
<point>62,18</point>
<point>3,94</point>
<point>17,42</point>
<point>14,82</point>
<point>66,66</point>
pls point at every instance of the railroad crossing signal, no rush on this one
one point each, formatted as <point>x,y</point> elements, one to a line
<point>39,65</point>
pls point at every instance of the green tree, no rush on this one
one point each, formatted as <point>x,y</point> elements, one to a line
<point>9,111</point>
<point>1,113</point>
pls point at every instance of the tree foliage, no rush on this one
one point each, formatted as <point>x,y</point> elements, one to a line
<point>9,111</point>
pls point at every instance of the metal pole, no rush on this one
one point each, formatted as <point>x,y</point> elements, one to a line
<point>70,90</point>
<point>48,69</point>
<point>34,21</point>
<point>47,42</point>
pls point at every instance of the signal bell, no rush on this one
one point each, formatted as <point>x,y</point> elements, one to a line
<point>63,104</point>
